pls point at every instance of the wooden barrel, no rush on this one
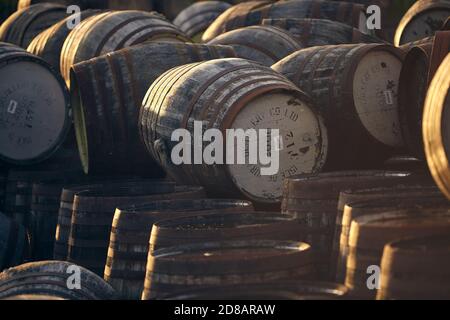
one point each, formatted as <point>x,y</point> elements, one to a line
<point>293,290</point>
<point>419,68</point>
<point>24,25</point>
<point>35,114</point>
<point>234,94</point>
<point>320,32</point>
<point>45,204</point>
<point>52,278</point>
<point>93,213</point>
<point>355,86</point>
<point>348,13</point>
<point>114,30</point>
<point>20,186</point>
<point>369,234</point>
<point>129,241</point>
<point>422,20</point>
<point>66,209</point>
<point>264,44</point>
<point>313,200</point>
<point>33,297</point>
<point>105,93</point>
<point>171,8</point>
<point>416,269</point>
<point>83,4</point>
<point>7,8</point>
<point>214,264</point>
<point>195,19</point>
<point>223,227</point>
<point>49,43</point>
<point>392,11</point>
<point>356,209</point>
<point>412,92</point>
<point>406,163</point>
<point>435,128</point>
<point>14,246</point>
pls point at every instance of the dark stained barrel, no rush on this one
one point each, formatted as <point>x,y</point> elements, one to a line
<point>320,32</point>
<point>264,44</point>
<point>241,9</point>
<point>106,93</point>
<point>349,13</point>
<point>435,127</point>
<point>355,86</point>
<point>129,242</point>
<point>195,19</point>
<point>49,43</point>
<point>24,25</point>
<point>93,213</point>
<point>114,30</point>
<point>416,269</point>
<point>412,92</point>
<point>83,4</point>
<point>422,20</point>
<point>292,290</point>
<point>369,234</point>
<point>406,163</point>
<point>35,114</point>
<point>313,199</point>
<point>212,264</point>
<point>14,245</point>
<point>20,186</point>
<point>171,8</point>
<point>419,68</point>
<point>223,227</point>
<point>66,209</point>
<point>357,208</point>
<point>232,94</point>
<point>44,208</point>
<point>53,278</point>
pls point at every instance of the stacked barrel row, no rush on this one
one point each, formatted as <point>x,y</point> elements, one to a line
<point>112,130</point>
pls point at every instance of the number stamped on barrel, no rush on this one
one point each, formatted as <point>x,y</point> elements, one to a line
<point>225,310</point>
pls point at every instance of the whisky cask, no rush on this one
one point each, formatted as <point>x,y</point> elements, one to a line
<point>416,269</point>
<point>129,242</point>
<point>195,19</point>
<point>355,86</point>
<point>228,94</point>
<point>93,213</point>
<point>49,43</point>
<point>219,25</point>
<point>14,245</point>
<point>52,278</point>
<point>320,32</point>
<point>264,44</point>
<point>106,94</point>
<point>369,234</point>
<point>435,127</point>
<point>114,30</point>
<point>349,13</point>
<point>422,20</point>
<point>35,113</point>
<point>212,264</point>
<point>24,25</point>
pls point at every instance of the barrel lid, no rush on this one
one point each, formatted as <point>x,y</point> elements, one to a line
<point>35,114</point>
